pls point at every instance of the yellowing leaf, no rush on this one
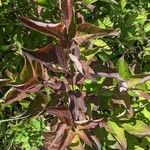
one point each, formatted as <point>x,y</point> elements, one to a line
<point>139,128</point>
<point>100,43</point>
<point>118,133</point>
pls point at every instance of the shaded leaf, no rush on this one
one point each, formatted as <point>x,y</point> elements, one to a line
<point>50,56</point>
<point>3,82</point>
<point>22,91</point>
<point>62,113</point>
<point>77,105</point>
<point>58,84</point>
<point>36,106</point>
<point>123,98</point>
<point>26,72</point>
<point>14,95</point>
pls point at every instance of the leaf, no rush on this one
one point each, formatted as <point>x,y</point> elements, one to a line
<point>36,106</point>
<point>22,91</point>
<point>67,10</point>
<point>13,95</point>
<point>123,3</point>
<point>58,84</point>
<point>88,28</point>
<point>87,2</point>
<point>139,128</point>
<point>67,140</point>
<point>76,62</point>
<point>54,139</point>
<point>96,142</point>
<point>48,29</point>
<point>87,124</point>
<point>84,137</point>
<point>26,72</point>
<point>123,69</point>
<point>95,69</point>
<point>142,94</point>
<point>87,31</point>
<point>62,113</point>
<point>50,55</point>
<point>145,79</point>
<point>118,133</point>
<point>77,105</point>
<point>3,82</point>
<point>122,98</point>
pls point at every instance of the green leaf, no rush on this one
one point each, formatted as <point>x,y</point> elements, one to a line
<point>123,69</point>
<point>138,129</point>
<point>147,27</point>
<point>45,3</point>
<point>118,133</point>
<point>146,113</point>
<point>123,3</point>
<point>87,2</point>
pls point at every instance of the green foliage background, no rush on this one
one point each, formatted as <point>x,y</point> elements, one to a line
<point>130,17</point>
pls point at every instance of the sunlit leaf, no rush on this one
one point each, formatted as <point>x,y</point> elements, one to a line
<point>123,3</point>
<point>138,128</point>
<point>118,133</point>
<point>123,69</point>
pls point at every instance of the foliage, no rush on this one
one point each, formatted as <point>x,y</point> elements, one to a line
<point>86,85</point>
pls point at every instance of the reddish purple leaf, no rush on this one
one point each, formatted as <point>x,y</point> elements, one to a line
<point>96,142</point>
<point>147,78</point>
<point>88,124</point>
<point>67,140</point>
<point>45,28</point>
<point>76,63</point>
<point>143,94</point>
<point>75,49</point>
<point>50,56</point>
<point>54,139</point>
<point>77,105</point>
<point>80,18</point>
<point>84,137</point>
<point>14,96</point>
<point>22,91</point>
<point>67,10</point>
<point>58,84</point>
<point>94,69</point>
<point>62,113</point>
